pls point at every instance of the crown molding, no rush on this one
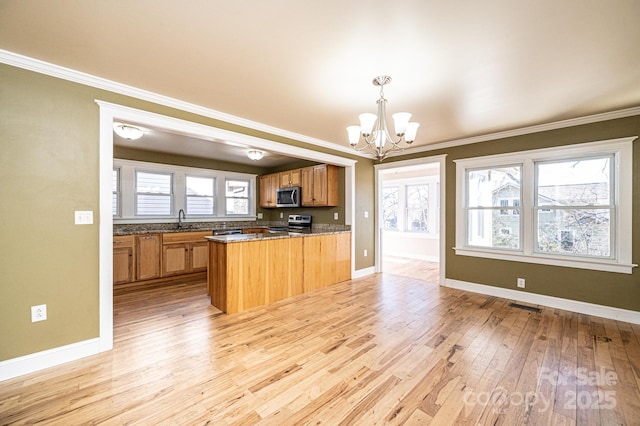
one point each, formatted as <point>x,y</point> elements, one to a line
<point>628,112</point>
<point>68,74</point>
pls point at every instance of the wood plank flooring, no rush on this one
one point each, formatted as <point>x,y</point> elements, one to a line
<point>385,349</point>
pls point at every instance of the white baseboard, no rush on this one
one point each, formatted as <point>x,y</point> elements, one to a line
<point>413,256</point>
<point>549,301</point>
<point>363,272</point>
<point>51,357</point>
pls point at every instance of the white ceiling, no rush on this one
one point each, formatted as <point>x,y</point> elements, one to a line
<point>463,68</point>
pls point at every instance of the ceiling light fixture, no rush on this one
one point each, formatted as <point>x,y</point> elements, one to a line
<point>130,133</point>
<point>373,128</point>
<point>255,154</point>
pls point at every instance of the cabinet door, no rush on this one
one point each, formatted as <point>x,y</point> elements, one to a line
<point>320,185</point>
<point>289,178</point>
<point>268,187</point>
<point>295,177</point>
<point>175,259</point>
<point>199,256</point>
<point>307,186</point>
<point>122,265</point>
<point>148,256</point>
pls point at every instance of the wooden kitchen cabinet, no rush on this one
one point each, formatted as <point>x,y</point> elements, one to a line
<point>184,253</point>
<point>320,185</point>
<point>123,259</point>
<point>268,189</point>
<point>327,260</point>
<point>290,178</point>
<point>147,255</point>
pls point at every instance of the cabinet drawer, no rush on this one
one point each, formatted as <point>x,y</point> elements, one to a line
<point>120,241</point>
<point>185,237</point>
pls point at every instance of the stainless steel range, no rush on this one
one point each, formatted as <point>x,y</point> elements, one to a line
<point>299,223</point>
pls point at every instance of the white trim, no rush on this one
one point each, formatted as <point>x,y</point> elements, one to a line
<point>414,256</point>
<point>588,119</point>
<point>49,358</point>
<point>586,308</point>
<point>379,168</point>
<point>68,74</point>
<point>365,272</point>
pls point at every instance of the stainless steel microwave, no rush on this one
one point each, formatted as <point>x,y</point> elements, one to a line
<point>288,197</point>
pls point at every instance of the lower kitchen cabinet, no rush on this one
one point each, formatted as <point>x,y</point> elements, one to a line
<point>184,253</point>
<point>148,256</point>
<point>154,256</point>
<point>123,264</point>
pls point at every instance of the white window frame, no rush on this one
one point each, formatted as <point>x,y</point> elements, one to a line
<point>248,197</point>
<point>179,190</point>
<point>186,196</point>
<point>118,192</point>
<point>433,218</point>
<point>171,194</point>
<point>622,151</point>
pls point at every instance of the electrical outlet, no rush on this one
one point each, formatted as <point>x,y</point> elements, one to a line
<point>366,215</point>
<point>335,216</point>
<point>520,283</point>
<point>259,215</point>
<point>84,217</point>
<point>38,313</point>
<point>281,215</point>
<point>365,253</point>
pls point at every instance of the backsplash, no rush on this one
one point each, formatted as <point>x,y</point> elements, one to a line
<point>141,228</point>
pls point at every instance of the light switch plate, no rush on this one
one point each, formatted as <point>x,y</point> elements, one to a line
<point>38,313</point>
<point>366,214</point>
<point>335,216</point>
<point>84,217</point>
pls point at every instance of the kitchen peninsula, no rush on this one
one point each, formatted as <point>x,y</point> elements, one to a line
<point>250,270</point>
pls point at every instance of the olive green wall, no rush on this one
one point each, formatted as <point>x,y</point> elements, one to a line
<point>603,288</point>
<point>49,130</point>
<point>49,169</point>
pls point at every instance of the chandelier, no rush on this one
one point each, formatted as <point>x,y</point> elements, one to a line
<point>374,132</point>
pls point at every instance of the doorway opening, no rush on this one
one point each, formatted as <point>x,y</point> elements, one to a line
<point>410,220</point>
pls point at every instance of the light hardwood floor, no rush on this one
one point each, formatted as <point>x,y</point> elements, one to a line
<point>386,349</point>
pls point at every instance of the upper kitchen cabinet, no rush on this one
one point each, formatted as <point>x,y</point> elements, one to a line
<point>320,185</point>
<point>268,188</point>
<point>290,178</point>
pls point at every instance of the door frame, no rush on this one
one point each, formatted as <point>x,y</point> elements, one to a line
<point>379,169</point>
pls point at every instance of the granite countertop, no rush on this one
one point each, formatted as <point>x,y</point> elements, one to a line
<point>236,238</point>
<point>164,228</point>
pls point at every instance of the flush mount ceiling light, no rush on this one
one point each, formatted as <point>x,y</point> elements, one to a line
<point>374,132</point>
<point>130,133</point>
<point>255,154</point>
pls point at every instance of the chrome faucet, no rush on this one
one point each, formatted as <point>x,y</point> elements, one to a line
<point>181,216</point>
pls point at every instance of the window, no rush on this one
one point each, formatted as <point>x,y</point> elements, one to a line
<point>489,192</point>
<point>417,207</point>
<point>578,196</point>
<point>237,197</point>
<point>146,192</point>
<point>153,194</point>
<point>566,206</point>
<point>200,200</point>
<point>115,192</point>
<point>390,202</point>
<point>410,205</point>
